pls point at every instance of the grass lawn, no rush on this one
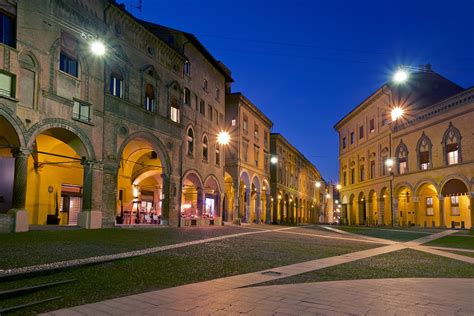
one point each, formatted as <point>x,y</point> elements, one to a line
<point>453,242</point>
<point>36,247</point>
<point>391,234</point>
<point>406,263</point>
<point>179,266</point>
<point>462,253</point>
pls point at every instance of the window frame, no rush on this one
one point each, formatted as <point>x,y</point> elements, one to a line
<point>77,115</point>
<point>205,149</point>
<point>114,80</point>
<point>13,19</point>
<point>12,84</point>
<point>65,62</point>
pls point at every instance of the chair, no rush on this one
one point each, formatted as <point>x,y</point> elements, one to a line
<point>147,219</point>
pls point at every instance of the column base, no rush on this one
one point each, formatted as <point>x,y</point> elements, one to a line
<point>15,221</point>
<point>90,220</point>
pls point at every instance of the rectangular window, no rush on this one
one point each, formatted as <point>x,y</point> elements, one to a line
<point>265,139</point>
<point>202,107</point>
<point>187,97</point>
<point>344,144</point>
<point>187,68</point>
<point>234,122</point>
<point>175,114</point>
<point>218,155</point>
<point>384,166</point>
<point>402,166</point>
<point>455,205</point>
<point>453,154</point>
<point>221,118</point>
<point>266,161</point>
<point>352,176</point>
<point>362,173</point>
<point>68,65</point>
<point>7,84</point>
<point>245,151</point>
<point>81,111</point>
<point>218,93</point>
<point>246,124</point>
<point>384,118</point>
<point>209,111</point>
<point>255,133</point>
<point>372,125</point>
<point>116,86</point>
<point>429,206</point>
<point>361,132</point>
<point>352,138</point>
<point>216,116</point>
<point>344,178</point>
<point>424,160</point>
<point>256,154</point>
<point>7,30</point>
<point>372,169</point>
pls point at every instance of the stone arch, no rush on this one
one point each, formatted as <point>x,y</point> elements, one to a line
<point>266,184</point>
<point>194,176</point>
<point>47,124</point>
<point>256,183</point>
<point>15,123</point>
<point>400,187</point>
<point>154,141</point>
<point>213,178</point>
<point>424,181</point>
<point>190,138</point>
<point>244,176</point>
<point>462,180</point>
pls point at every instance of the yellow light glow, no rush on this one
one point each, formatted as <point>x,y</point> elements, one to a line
<point>400,76</point>
<point>186,206</point>
<point>318,184</point>
<point>389,162</point>
<point>338,187</point>
<point>274,160</point>
<point>279,196</point>
<point>328,196</point>
<point>397,112</point>
<point>97,48</point>
<point>223,138</point>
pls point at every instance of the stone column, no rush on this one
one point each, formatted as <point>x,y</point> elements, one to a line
<point>247,205</point>
<point>237,203</point>
<point>19,184</point>
<point>87,186</point>
<point>416,206</point>
<point>269,208</point>
<point>441,211</point>
<point>343,215</point>
<point>258,203</point>
<point>19,191</point>
<point>381,211</point>
<point>368,211</point>
<point>165,203</point>
<point>200,201</point>
<point>285,212</point>
<point>395,212</point>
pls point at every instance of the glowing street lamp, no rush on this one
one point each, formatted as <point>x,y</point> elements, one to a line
<point>328,196</point>
<point>223,138</point>
<point>401,76</point>
<point>318,184</point>
<point>274,160</point>
<point>97,48</point>
<point>338,187</point>
<point>397,112</point>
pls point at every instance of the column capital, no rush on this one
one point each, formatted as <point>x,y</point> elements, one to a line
<point>441,197</point>
<point>20,152</point>
<point>416,199</point>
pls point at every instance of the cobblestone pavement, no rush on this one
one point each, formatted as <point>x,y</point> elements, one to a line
<point>373,297</point>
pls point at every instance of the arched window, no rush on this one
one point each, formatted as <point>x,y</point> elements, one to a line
<point>187,68</point>
<point>218,154</point>
<point>452,146</point>
<point>149,98</point>
<point>402,158</point>
<point>423,150</point>
<point>190,142</point>
<point>28,76</point>
<point>205,150</point>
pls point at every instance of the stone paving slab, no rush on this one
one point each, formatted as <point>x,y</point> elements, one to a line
<point>404,296</point>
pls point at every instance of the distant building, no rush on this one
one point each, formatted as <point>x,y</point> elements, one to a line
<point>430,182</point>
<point>248,191</point>
<point>298,190</point>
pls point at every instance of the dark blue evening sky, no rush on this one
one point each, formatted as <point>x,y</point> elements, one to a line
<point>308,63</point>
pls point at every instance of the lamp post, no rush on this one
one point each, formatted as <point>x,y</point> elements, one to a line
<point>389,164</point>
<point>223,139</point>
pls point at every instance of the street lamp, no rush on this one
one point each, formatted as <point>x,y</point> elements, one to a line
<point>318,184</point>
<point>223,138</point>
<point>401,76</point>
<point>397,112</point>
<point>338,187</point>
<point>274,160</point>
<point>389,164</point>
<point>97,48</point>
